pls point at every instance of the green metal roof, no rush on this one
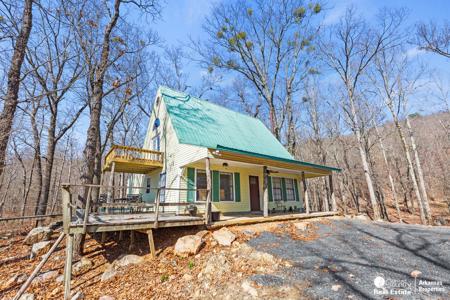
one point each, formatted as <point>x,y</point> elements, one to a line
<point>202,123</point>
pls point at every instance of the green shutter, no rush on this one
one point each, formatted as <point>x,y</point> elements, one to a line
<point>283,189</point>
<point>297,196</point>
<point>215,186</point>
<point>190,184</point>
<point>269,187</point>
<point>237,187</point>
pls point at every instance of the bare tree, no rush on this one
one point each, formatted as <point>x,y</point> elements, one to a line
<point>434,39</point>
<point>11,99</point>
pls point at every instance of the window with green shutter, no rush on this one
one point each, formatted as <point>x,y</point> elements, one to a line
<point>215,186</point>
<point>190,184</point>
<point>237,187</point>
<point>297,196</point>
<point>269,187</point>
<point>283,189</point>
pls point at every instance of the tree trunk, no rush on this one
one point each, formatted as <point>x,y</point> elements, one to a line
<point>423,189</point>
<point>12,94</point>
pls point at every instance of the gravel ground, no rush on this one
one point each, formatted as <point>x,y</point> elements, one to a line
<point>349,254</point>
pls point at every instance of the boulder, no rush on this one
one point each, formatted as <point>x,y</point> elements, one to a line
<point>78,296</point>
<point>302,226</point>
<point>40,248</point>
<point>27,297</point>
<point>38,234</point>
<point>188,245</point>
<point>46,276</point>
<point>129,259</point>
<point>224,236</point>
<point>109,273</point>
<point>202,233</point>
<point>246,286</point>
<point>216,266</point>
<point>83,265</point>
<point>106,298</point>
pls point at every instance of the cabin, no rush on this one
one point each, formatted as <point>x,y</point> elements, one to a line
<point>201,164</point>
<point>201,141</point>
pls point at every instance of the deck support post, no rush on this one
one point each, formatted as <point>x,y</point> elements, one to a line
<point>151,243</point>
<point>332,196</point>
<point>305,193</point>
<point>208,193</point>
<point>157,208</point>
<point>266,192</point>
<point>68,266</point>
<point>131,246</point>
<point>120,235</point>
<point>111,182</point>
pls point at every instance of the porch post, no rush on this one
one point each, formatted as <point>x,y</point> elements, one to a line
<point>305,193</point>
<point>111,182</point>
<point>208,193</point>
<point>266,192</point>
<point>333,198</point>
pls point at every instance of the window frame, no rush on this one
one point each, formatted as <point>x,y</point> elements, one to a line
<point>233,196</point>
<point>273,189</point>
<point>291,180</point>
<point>196,182</point>
<point>157,138</point>
<point>148,184</point>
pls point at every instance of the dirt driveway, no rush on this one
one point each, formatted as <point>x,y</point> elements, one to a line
<point>353,259</point>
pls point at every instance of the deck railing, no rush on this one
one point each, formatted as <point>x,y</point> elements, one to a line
<point>132,154</point>
<point>82,200</point>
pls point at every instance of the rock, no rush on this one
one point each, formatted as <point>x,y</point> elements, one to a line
<point>262,257</point>
<point>302,226</point>
<point>249,232</point>
<point>415,273</point>
<point>83,265</point>
<point>38,234</point>
<point>78,296</point>
<point>224,236</point>
<point>106,298</point>
<point>129,259</point>
<point>46,276</point>
<point>216,266</point>
<point>336,287</point>
<point>202,233</point>
<point>27,297</point>
<point>187,245</point>
<point>60,278</point>
<point>249,289</point>
<point>109,273</point>
<point>40,248</point>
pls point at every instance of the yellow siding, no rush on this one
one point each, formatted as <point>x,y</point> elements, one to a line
<point>244,204</point>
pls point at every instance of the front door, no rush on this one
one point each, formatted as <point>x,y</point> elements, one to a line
<point>254,193</point>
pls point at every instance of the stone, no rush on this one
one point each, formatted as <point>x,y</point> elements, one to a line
<point>78,296</point>
<point>336,287</point>
<point>60,278</point>
<point>83,265</point>
<point>262,257</point>
<point>40,248</point>
<point>302,226</point>
<point>46,276</point>
<point>249,232</point>
<point>415,273</point>
<point>38,234</point>
<point>362,217</point>
<point>188,245</point>
<point>27,297</point>
<point>109,273</point>
<point>130,259</point>
<point>202,233</point>
<point>106,297</point>
<point>216,266</point>
<point>224,236</point>
<point>246,286</point>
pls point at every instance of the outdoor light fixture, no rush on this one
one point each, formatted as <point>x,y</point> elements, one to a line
<point>225,165</point>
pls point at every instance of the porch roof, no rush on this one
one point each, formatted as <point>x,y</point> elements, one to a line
<point>311,170</point>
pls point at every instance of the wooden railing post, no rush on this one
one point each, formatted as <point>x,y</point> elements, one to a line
<point>333,197</point>
<point>86,209</point>
<point>208,192</point>
<point>66,207</point>
<point>157,208</point>
<point>305,193</point>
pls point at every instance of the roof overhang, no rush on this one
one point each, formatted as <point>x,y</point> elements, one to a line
<point>276,163</point>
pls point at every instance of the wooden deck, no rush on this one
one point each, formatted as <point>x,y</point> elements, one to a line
<point>135,221</point>
<point>132,160</point>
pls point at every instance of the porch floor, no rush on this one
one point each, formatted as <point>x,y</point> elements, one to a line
<point>257,217</point>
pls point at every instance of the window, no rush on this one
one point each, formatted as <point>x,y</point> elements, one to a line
<point>156,143</point>
<point>276,189</point>
<point>162,186</point>
<point>148,185</point>
<point>226,187</point>
<point>290,192</point>
<point>201,185</point>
